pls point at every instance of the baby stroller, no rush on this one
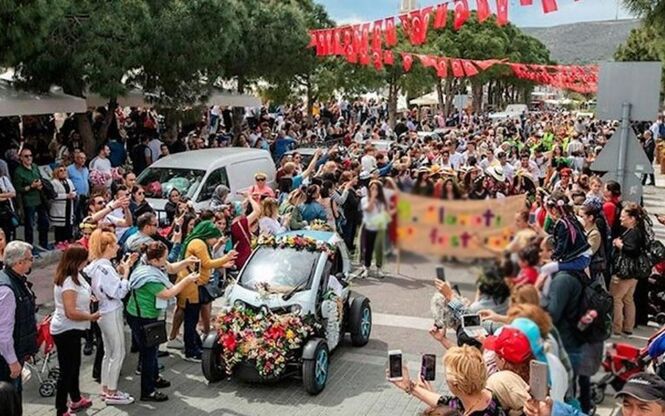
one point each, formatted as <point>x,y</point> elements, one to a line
<point>621,362</point>
<point>657,294</point>
<point>40,363</point>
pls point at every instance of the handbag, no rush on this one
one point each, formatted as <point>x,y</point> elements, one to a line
<point>153,333</point>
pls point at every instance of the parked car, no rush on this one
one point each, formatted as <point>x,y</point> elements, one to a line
<point>279,279</point>
<point>512,111</point>
<point>196,174</point>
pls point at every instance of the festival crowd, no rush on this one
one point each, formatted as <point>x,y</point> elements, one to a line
<point>578,263</point>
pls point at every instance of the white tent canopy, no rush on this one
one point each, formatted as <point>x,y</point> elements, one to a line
<point>227,99</point>
<point>427,99</point>
<point>138,98</point>
<point>134,98</point>
<point>15,102</point>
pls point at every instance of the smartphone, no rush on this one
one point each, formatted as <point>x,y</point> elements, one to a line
<point>470,320</point>
<point>441,273</point>
<point>126,257</point>
<point>538,380</point>
<point>176,228</point>
<point>197,267</point>
<point>428,367</point>
<point>395,365</point>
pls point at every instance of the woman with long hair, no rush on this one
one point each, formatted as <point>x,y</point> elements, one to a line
<point>375,223</point>
<point>270,223</point>
<point>241,229</point>
<point>291,208</point>
<point>138,205</point>
<point>171,206</point>
<point>199,244</point>
<point>150,292</point>
<point>630,247</point>
<point>70,320</point>
<point>110,286</point>
<point>450,190</point>
<point>312,209</point>
<point>61,210</point>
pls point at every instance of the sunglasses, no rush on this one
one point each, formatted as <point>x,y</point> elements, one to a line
<point>27,156</point>
<point>260,179</point>
<point>99,202</point>
<point>140,193</point>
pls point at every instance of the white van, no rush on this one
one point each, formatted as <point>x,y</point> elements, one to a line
<point>197,173</point>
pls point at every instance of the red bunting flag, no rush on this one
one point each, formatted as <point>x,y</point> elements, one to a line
<point>357,39</point>
<point>351,55</point>
<point>458,70</point>
<point>441,16</point>
<point>549,6</point>
<point>407,61</point>
<point>526,2</point>
<point>391,31</point>
<point>419,22</point>
<point>321,43</point>
<point>427,61</point>
<point>483,9</point>
<point>462,13</point>
<point>483,65</point>
<point>377,36</point>
<point>364,58</point>
<point>377,59</point>
<point>388,57</point>
<point>364,45</point>
<point>442,67</point>
<point>312,40</point>
<point>339,46</point>
<point>501,12</point>
<point>469,69</point>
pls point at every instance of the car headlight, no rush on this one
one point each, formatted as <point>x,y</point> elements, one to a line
<point>238,304</point>
<point>295,309</point>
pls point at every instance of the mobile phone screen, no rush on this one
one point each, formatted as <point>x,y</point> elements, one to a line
<point>470,320</point>
<point>395,363</point>
<point>197,267</point>
<point>538,380</point>
<point>441,273</point>
<point>428,369</point>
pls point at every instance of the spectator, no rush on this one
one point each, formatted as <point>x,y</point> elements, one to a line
<point>171,206</point>
<point>8,215</point>
<point>290,208</point>
<point>150,290</point>
<point>630,246</point>
<point>270,223</point>
<point>311,209</point>
<point>28,184</point>
<point>492,293</point>
<point>70,320</point>
<point>649,146</point>
<point>102,164</point>
<point>375,224</point>
<point>147,228</point>
<point>138,204</point>
<point>155,146</point>
<point>141,155</point>
<point>18,327</point>
<point>79,175</point>
<point>612,207</point>
<point>241,229</point>
<point>61,211</point>
<point>164,151</point>
<point>260,189</point>
<point>110,288</point>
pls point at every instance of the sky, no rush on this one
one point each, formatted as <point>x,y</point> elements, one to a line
<point>570,11</point>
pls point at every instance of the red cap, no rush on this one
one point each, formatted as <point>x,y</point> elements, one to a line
<point>511,345</point>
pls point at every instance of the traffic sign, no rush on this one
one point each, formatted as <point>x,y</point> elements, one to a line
<point>636,160</point>
<point>637,83</point>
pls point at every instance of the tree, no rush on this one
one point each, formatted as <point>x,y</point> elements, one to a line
<point>644,44</point>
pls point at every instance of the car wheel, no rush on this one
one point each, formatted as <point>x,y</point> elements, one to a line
<point>360,320</point>
<point>315,370</point>
<point>660,318</point>
<point>211,359</point>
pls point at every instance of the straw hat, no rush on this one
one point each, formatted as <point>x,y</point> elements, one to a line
<point>497,173</point>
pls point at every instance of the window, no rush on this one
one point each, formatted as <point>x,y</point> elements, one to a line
<point>158,182</point>
<point>216,178</point>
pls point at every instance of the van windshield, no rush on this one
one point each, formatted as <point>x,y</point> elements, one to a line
<point>158,182</point>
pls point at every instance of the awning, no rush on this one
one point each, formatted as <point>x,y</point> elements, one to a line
<point>133,98</point>
<point>226,99</point>
<point>139,98</point>
<point>427,99</point>
<point>15,102</point>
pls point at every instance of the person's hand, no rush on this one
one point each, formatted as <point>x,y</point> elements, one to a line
<point>424,383</point>
<point>221,241</point>
<point>71,195</point>
<point>437,333</point>
<point>661,219</point>
<point>180,220</point>
<point>15,370</point>
<point>133,258</point>
<point>94,317</point>
<point>232,254</point>
<point>444,288</point>
<point>191,260</point>
<point>192,277</point>
<point>488,315</point>
<point>537,408</point>
<point>123,202</point>
<point>618,243</point>
<point>402,384</point>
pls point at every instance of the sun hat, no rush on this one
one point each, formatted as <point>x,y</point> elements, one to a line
<point>497,173</point>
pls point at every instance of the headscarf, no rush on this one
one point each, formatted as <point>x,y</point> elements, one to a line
<point>219,197</point>
<point>203,231</point>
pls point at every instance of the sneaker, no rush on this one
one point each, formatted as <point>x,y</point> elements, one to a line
<point>155,396</point>
<point>196,358</point>
<point>176,344</point>
<point>380,274</point>
<point>80,405</point>
<point>119,398</point>
<point>364,273</point>
<point>162,383</point>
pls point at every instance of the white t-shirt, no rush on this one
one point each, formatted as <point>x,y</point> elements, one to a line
<point>368,163</point>
<point>558,376</point>
<point>115,217</point>
<point>108,287</point>
<point>155,149</point>
<point>59,322</point>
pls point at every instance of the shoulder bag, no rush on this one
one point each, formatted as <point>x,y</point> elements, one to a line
<point>152,333</point>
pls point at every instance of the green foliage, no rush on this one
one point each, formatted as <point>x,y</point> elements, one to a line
<point>643,44</point>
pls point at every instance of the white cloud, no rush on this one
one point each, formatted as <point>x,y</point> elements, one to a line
<point>350,20</point>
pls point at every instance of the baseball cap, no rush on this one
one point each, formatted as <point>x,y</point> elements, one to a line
<point>511,345</point>
<point>645,387</point>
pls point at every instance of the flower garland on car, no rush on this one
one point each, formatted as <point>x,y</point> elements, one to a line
<point>297,242</point>
<point>320,225</point>
<point>266,339</point>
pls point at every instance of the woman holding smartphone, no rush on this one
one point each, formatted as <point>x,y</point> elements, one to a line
<point>375,223</point>
<point>199,244</point>
<point>110,286</point>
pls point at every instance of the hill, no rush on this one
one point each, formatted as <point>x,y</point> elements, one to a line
<point>584,42</point>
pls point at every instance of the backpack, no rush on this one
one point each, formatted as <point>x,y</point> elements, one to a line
<point>594,296</point>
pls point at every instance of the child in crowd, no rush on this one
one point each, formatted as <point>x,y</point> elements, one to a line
<point>529,257</point>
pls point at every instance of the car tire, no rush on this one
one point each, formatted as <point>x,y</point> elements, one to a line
<point>660,318</point>
<point>360,321</point>
<point>211,359</point>
<point>315,370</point>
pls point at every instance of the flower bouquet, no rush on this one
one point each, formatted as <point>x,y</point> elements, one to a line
<point>320,225</point>
<point>296,242</point>
<point>266,339</point>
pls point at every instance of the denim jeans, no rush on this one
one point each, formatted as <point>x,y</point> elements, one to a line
<point>191,337</point>
<point>42,224</point>
<point>579,263</point>
<point>147,355</point>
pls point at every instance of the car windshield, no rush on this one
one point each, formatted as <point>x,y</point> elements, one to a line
<point>279,270</point>
<point>158,182</point>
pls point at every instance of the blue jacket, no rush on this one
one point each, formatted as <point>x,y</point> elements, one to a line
<point>313,211</point>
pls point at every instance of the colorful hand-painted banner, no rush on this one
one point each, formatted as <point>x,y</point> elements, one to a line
<point>462,229</point>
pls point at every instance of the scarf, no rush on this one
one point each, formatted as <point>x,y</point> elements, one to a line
<point>203,231</point>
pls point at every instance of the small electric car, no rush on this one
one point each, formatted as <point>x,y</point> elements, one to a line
<point>290,276</point>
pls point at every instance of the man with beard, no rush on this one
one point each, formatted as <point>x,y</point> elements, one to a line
<point>18,328</point>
